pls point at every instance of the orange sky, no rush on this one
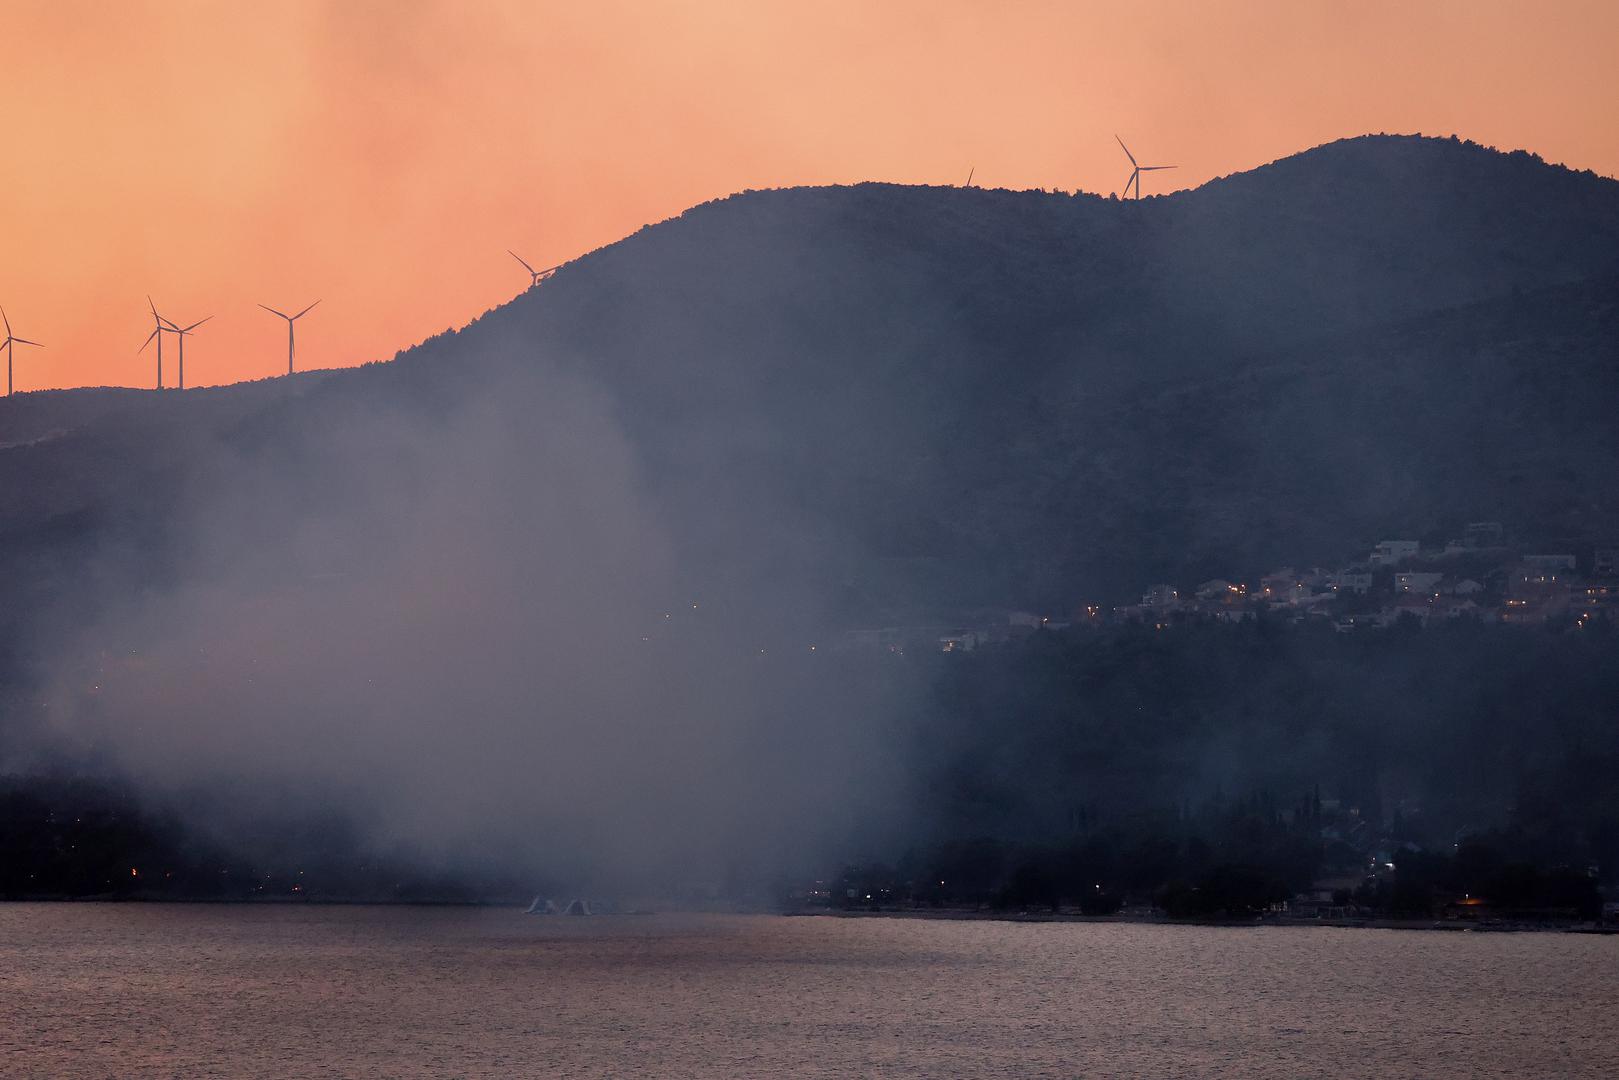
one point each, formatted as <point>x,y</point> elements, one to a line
<point>382,155</point>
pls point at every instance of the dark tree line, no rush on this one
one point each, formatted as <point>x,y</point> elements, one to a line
<point>1216,770</point>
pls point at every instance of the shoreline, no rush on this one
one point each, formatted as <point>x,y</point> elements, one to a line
<point>1494,926</point>
<point>251,901</point>
<point>1368,923</point>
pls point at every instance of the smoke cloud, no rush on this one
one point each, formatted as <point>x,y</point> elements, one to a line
<point>453,614</point>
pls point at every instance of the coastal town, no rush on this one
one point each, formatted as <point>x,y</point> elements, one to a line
<point>1374,857</point>
<point>1480,575</point>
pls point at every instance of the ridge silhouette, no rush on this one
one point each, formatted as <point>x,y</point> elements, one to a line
<point>958,395</point>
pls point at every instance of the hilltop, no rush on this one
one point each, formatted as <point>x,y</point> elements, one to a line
<point>1051,395</point>
<point>942,395</point>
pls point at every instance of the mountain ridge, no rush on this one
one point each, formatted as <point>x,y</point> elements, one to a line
<point>1038,397</point>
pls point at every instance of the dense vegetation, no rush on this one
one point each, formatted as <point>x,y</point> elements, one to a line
<point>1207,769</point>
<point>1213,768</point>
<point>92,837</point>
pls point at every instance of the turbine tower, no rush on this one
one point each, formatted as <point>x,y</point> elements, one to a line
<point>1136,170</point>
<point>537,275</point>
<point>12,339</point>
<point>290,320</point>
<point>162,326</point>
<point>181,332</point>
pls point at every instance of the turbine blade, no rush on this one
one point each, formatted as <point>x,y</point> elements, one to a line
<point>7,321</point>
<point>1155,168</point>
<point>167,323</point>
<point>520,259</point>
<point>1125,148</point>
<point>194,325</point>
<point>271,310</point>
<point>148,341</point>
<point>306,310</point>
<point>25,341</point>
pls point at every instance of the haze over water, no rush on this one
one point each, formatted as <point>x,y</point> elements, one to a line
<point>160,990</point>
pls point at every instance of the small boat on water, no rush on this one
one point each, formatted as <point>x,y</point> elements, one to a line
<point>542,905</point>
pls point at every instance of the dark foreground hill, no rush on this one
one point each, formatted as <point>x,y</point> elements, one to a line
<point>938,395</point>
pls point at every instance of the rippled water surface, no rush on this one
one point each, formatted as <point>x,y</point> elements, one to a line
<point>153,990</point>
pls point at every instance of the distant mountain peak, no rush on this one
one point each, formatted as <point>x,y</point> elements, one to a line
<point>1412,159</point>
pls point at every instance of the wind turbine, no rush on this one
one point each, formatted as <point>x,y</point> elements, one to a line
<point>290,320</point>
<point>12,339</point>
<point>537,275</point>
<point>162,325</point>
<point>1136,170</point>
<point>181,332</point>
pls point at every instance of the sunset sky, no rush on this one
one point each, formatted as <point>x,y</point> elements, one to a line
<point>383,156</point>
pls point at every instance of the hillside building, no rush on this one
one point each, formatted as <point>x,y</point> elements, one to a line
<point>1277,586</point>
<point>1219,589</point>
<point>1160,597</point>
<point>1353,579</point>
<point>1535,595</point>
<point>1413,582</point>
